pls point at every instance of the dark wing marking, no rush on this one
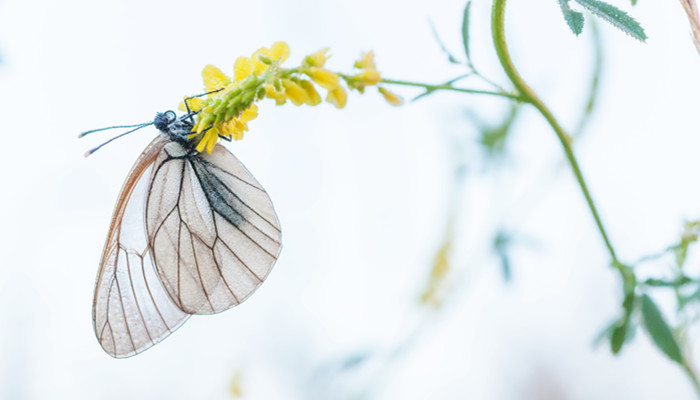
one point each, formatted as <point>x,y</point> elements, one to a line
<point>214,233</point>
<point>131,309</point>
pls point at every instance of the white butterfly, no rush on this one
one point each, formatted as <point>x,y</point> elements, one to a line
<point>192,233</point>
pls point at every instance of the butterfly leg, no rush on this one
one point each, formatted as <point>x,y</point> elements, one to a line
<point>190,113</point>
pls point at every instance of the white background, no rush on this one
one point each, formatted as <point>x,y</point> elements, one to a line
<point>361,194</point>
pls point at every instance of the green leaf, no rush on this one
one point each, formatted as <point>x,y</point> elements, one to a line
<point>620,332</point>
<point>573,18</point>
<point>465,31</point>
<point>617,338</point>
<point>618,18</point>
<point>659,330</point>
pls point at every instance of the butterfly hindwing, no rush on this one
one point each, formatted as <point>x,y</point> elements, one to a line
<point>213,229</point>
<point>131,309</point>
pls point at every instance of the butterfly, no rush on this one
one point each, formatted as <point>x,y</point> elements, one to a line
<point>191,233</point>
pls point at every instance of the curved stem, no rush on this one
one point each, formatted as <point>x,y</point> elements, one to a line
<point>452,88</point>
<point>528,95</point>
<point>691,375</point>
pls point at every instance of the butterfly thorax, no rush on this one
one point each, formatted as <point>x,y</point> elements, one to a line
<point>173,128</point>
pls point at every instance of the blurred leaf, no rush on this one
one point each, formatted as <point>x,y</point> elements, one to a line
<point>617,339</point>
<point>620,332</point>
<point>685,300</point>
<point>634,2</point>
<point>618,18</point>
<point>465,32</point>
<point>573,18</point>
<point>450,57</point>
<point>682,280</point>
<point>432,295</point>
<point>605,333</point>
<point>355,360</point>
<point>659,330</point>
<point>595,81</point>
<point>688,237</point>
<point>500,245</point>
<point>493,138</point>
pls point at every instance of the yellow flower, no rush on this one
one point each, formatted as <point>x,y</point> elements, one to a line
<point>235,386</point>
<point>391,98</point>
<point>235,127</point>
<point>279,52</point>
<point>317,59</point>
<point>323,77</point>
<point>294,92</point>
<point>338,97</point>
<point>208,141</point>
<point>277,96</point>
<point>368,74</point>
<point>227,112</point>
<point>194,103</point>
<point>366,61</point>
<point>314,97</point>
<point>249,114</point>
<point>434,291</point>
<point>242,68</point>
<point>214,79</point>
<point>367,77</point>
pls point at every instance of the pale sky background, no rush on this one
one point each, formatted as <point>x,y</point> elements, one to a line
<point>361,194</point>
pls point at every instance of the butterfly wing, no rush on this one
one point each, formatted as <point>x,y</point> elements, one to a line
<point>213,229</point>
<point>131,309</point>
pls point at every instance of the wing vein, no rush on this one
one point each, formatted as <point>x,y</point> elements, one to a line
<point>236,255</point>
<point>273,226</point>
<point>121,302</point>
<point>150,294</point>
<point>196,264</point>
<point>136,300</point>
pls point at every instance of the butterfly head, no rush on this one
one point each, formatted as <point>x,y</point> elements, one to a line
<point>173,128</point>
<point>163,120</point>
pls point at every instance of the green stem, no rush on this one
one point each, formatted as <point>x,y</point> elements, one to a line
<point>528,95</point>
<point>693,378</point>
<point>452,88</point>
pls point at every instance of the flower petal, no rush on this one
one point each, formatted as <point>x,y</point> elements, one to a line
<point>314,97</point>
<point>325,78</point>
<point>294,92</point>
<point>390,97</point>
<point>214,79</point>
<point>279,51</point>
<point>242,68</point>
<point>338,97</point>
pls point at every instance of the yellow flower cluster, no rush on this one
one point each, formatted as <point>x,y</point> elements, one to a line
<point>230,102</point>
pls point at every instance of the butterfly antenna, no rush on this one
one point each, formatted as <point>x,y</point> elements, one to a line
<point>111,127</point>
<point>87,153</point>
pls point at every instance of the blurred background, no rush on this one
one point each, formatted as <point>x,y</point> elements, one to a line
<point>367,196</point>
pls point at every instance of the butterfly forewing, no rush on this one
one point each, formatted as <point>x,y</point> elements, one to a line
<point>131,309</point>
<point>212,227</point>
